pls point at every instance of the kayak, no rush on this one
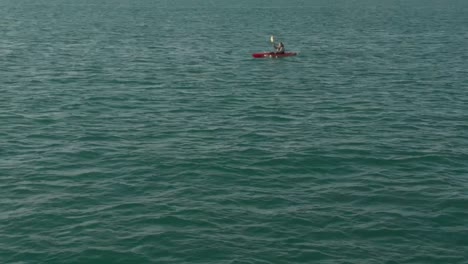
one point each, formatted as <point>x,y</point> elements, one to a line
<point>273,55</point>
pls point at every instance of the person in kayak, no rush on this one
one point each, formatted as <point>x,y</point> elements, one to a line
<point>279,48</point>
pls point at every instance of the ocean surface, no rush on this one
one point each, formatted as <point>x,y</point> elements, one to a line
<point>144,132</point>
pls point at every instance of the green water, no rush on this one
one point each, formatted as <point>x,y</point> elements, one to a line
<point>144,132</point>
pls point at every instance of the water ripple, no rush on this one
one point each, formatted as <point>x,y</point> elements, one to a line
<point>145,132</point>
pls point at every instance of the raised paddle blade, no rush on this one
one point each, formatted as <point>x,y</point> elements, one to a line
<point>272,39</point>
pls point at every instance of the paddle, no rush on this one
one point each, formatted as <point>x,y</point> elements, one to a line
<point>272,40</point>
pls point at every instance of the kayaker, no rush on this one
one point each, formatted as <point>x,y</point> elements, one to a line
<point>279,48</point>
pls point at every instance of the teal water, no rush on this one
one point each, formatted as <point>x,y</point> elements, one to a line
<point>144,132</point>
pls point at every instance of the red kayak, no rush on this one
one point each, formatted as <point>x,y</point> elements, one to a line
<point>273,55</point>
